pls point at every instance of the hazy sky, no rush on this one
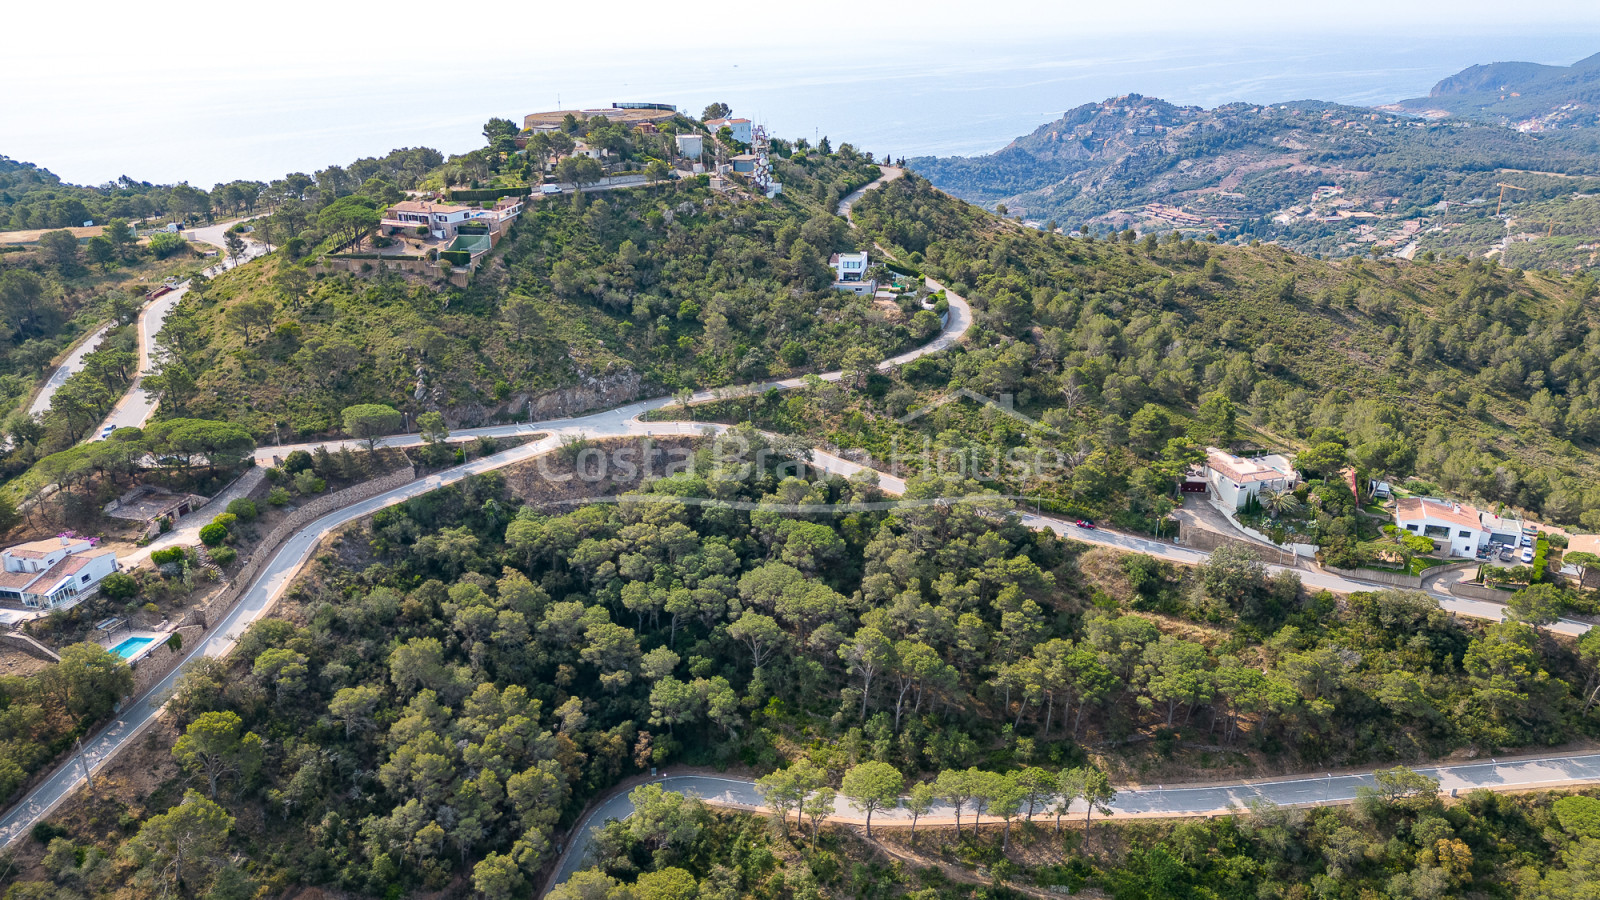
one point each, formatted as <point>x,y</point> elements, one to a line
<point>205,92</point>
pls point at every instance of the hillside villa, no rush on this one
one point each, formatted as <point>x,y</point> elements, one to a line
<point>1234,480</point>
<point>441,219</point>
<point>48,573</point>
<point>1464,529</point>
<point>741,128</point>
<point>850,273</point>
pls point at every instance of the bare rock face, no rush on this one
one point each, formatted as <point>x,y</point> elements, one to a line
<point>591,393</point>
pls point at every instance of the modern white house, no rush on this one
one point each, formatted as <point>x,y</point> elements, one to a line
<point>692,146</point>
<point>850,273</point>
<point>441,219</point>
<point>1233,480</point>
<point>849,266</point>
<point>1503,530</point>
<point>55,571</point>
<point>1452,524</point>
<point>740,128</point>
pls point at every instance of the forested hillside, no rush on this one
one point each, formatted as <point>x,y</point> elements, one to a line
<point>626,293</point>
<point>1472,379</point>
<point>1249,172</point>
<point>456,677</point>
<point>1510,93</point>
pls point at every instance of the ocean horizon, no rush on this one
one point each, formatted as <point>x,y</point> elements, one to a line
<point>912,100</point>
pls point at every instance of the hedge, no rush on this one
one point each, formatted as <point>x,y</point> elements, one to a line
<point>487,193</point>
<point>912,271</point>
<point>458,258</point>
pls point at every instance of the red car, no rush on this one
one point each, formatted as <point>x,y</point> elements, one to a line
<point>1084,523</point>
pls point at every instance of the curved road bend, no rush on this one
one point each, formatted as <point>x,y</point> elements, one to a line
<point>287,561</point>
<point>1132,802</point>
<point>620,422</point>
<point>138,405</point>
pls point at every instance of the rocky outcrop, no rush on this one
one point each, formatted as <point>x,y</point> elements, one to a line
<point>591,393</point>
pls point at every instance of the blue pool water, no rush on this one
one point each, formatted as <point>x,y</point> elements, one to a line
<point>131,646</point>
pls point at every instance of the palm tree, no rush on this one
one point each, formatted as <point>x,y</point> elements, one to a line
<point>1278,503</point>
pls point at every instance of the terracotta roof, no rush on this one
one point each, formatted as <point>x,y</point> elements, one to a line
<point>1584,543</point>
<point>17,581</point>
<point>1239,470</point>
<point>43,547</point>
<point>1409,509</point>
<point>424,206</point>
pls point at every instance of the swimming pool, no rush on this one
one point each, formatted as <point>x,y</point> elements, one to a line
<point>130,647</point>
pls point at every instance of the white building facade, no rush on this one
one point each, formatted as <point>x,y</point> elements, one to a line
<point>53,572</point>
<point>1458,527</point>
<point>1233,480</point>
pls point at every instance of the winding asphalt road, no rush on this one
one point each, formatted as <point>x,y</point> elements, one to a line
<point>287,561</point>
<point>138,405</point>
<point>1147,801</point>
<point>625,421</point>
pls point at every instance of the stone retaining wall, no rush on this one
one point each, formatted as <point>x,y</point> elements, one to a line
<point>1398,579</point>
<point>154,666</point>
<point>26,644</point>
<point>1479,592</point>
<point>295,521</point>
<point>1206,540</point>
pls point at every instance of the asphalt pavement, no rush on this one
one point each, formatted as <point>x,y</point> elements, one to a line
<point>1150,801</point>
<point>138,404</point>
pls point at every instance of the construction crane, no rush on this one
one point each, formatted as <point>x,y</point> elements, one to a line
<point>1503,187</point>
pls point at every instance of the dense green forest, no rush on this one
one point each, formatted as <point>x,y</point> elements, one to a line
<point>457,676</point>
<point>1131,355</point>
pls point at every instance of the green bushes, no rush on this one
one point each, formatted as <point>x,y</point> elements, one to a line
<point>224,556</point>
<point>120,586</point>
<point>167,557</point>
<point>244,509</point>
<point>278,496</point>
<point>213,534</point>
<point>1541,549</point>
<point>457,258</point>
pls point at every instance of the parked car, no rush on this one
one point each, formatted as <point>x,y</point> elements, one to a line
<point>1084,523</point>
<point>1527,554</point>
<point>1527,541</point>
<point>105,432</point>
<point>1507,555</point>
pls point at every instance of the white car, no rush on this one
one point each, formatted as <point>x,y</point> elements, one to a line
<point>1527,554</point>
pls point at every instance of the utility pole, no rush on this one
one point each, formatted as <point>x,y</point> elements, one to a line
<point>88,776</point>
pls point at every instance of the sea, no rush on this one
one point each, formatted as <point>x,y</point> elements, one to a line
<point>172,122</point>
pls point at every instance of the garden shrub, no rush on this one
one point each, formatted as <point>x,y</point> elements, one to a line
<point>213,535</point>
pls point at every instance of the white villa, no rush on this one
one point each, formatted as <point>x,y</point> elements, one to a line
<point>1464,529</point>
<point>740,127</point>
<point>45,574</point>
<point>441,219</point>
<point>691,145</point>
<point>850,273</point>
<point>1234,480</point>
